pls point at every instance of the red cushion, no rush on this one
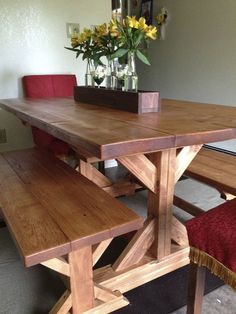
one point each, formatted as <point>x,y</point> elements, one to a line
<point>41,138</point>
<point>63,85</point>
<point>54,85</point>
<point>59,147</point>
<point>46,86</point>
<point>214,233</point>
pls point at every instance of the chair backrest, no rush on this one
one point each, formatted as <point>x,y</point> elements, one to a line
<point>46,86</point>
<point>50,85</point>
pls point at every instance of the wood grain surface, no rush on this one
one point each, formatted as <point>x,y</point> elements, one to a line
<point>81,280</point>
<point>137,102</point>
<point>108,133</point>
<point>51,209</point>
<point>214,168</point>
<point>36,234</point>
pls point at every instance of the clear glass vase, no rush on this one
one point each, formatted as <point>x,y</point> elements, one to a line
<point>111,81</point>
<point>89,73</point>
<point>121,72</point>
<point>131,78</point>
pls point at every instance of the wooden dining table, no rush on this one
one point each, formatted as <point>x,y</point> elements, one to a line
<point>156,148</point>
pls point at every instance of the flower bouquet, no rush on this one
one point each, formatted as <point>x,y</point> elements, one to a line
<point>119,43</point>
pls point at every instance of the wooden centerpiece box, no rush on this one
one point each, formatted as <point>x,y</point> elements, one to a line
<point>137,102</point>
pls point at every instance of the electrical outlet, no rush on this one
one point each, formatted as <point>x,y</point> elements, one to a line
<point>3,136</point>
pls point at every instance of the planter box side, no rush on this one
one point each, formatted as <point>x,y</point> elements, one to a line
<point>137,102</point>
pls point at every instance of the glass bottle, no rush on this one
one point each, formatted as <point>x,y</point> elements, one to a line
<point>110,73</point>
<point>131,78</point>
<point>121,72</point>
<point>114,76</point>
<point>89,73</point>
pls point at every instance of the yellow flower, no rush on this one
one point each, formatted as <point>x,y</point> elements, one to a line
<point>115,39</point>
<point>101,30</point>
<point>112,23</point>
<point>162,17</point>
<point>82,38</point>
<point>113,29</point>
<point>87,32</point>
<point>114,32</point>
<point>151,32</point>
<point>74,41</point>
<point>132,22</point>
<point>142,23</point>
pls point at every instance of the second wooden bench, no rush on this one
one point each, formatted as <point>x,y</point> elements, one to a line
<point>212,168</point>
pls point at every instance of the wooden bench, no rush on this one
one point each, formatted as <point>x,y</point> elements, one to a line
<point>213,168</point>
<point>60,219</point>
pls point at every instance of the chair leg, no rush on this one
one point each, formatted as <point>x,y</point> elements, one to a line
<point>196,284</point>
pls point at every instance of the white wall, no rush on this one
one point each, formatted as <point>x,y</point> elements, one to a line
<point>32,36</point>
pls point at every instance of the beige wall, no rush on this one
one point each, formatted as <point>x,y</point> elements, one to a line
<point>32,36</point>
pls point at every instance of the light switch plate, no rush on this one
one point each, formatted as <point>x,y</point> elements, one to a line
<point>72,29</point>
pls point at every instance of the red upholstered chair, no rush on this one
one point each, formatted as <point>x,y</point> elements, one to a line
<point>212,239</point>
<point>46,86</point>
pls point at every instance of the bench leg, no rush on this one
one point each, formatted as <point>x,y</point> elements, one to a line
<point>2,222</point>
<point>81,279</point>
<point>1,215</point>
<point>196,283</point>
<point>101,167</point>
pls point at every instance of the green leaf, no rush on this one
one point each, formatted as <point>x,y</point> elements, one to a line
<point>73,49</point>
<point>122,60</point>
<point>77,54</point>
<point>142,57</point>
<point>78,51</point>
<point>138,39</point>
<point>97,61</point>
<point>119,53</point>
<point>86,55</point>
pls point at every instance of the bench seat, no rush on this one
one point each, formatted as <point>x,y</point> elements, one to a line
<point>52,210</point>
<point>214,168</point>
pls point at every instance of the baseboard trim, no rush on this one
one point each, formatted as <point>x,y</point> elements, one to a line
<point>222,150</point>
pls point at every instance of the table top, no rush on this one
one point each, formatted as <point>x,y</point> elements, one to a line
<point>108,133</point>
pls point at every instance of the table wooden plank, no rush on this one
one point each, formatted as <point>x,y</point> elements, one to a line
<point>110,139</point>
<point>100,136</point>
<point>108,133</point>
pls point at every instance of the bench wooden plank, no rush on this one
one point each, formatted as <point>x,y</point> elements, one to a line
<point>214,168</point>
<point>86,214</point>
<point>52,210</point>
<point>36,234</point>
